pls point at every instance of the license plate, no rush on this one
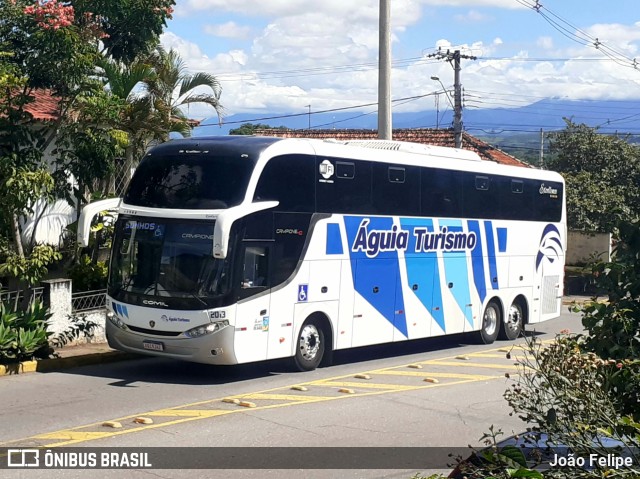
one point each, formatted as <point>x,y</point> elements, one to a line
<point>153,345</point>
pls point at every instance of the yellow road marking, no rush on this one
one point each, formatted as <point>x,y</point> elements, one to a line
<point>188,412</point>
<point>489,355</point>
<point>349,384</point>
<point>474,365</point>
<point>476,377</point>
<point>75,435</point>
<point>70,435</point>
<point>284,397</point>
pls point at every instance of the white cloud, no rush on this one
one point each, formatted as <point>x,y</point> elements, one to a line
<point>472,16</point>
<point>545,43</point>
<point>228,30</point>
<point>341,8</point>
<point>325,54</point>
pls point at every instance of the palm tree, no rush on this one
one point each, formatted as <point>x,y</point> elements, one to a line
<point>156,87</point>
<point>138,119</point>
<point>172,87</point>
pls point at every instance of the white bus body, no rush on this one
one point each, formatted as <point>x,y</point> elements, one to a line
<point>230,250</point>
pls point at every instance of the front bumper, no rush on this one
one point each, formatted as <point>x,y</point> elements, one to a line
<point>215,348</point>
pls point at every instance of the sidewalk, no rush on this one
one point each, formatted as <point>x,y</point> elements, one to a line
<point>101,353</point>
<point>70,357</point>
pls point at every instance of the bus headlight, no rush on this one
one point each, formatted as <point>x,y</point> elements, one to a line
<point>116,320</point>
<point>206,329</point>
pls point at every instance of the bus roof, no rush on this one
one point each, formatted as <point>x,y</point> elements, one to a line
<point>371,150</point>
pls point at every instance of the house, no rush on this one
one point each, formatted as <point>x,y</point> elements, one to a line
<point>427,136</point>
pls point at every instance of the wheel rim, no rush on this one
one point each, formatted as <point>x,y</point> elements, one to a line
<point>309,342</point>
<point>490,320</point>
<point>514,319</point>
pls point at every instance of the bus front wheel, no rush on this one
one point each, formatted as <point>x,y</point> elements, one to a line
<point>310,346</point>
<point>491,323</point>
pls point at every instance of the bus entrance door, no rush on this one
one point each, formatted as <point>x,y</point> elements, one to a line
<point>374,301</point>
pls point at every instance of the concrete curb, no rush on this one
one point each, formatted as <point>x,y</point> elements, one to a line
<point>58,364</point>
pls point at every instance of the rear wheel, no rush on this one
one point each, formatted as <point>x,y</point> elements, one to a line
<point>491,321</point>
<point>310,346</point>
<point>513,323</point>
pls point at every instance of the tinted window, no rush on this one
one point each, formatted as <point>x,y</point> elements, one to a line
<point>548,200</point>
<point>346,194</point>
<point>396,190</point>
<point>290,180</point>
<point>481,196</point>
<point>397,175</point>
<point>441,193</point>
<point>345,170</point>
<point>517,186</point>
<point>517,200</point>
<point>190,181</point>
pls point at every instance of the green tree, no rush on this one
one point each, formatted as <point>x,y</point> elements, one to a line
<point>128,27</point>
<point>89,146</point>
<point>250,128</point>
<point>173,87</point>
<point>53,47</point>
<point>602,174</point>
<point>155,88</point>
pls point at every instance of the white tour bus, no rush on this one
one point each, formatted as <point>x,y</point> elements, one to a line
<point>235,249</point>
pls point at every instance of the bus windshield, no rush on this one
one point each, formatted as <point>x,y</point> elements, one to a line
<point>166,258</point>
<point>189,182</point>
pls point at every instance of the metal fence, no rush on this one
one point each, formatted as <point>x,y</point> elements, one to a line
<point>88,300</point>
<point>7,296</point>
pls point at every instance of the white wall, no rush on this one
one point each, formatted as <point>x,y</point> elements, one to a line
<point>582,247</point>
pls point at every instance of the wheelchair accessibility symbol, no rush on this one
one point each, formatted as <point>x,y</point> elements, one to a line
<point>302,292</point>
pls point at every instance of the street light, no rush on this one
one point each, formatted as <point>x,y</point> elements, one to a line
<point>435,78</point>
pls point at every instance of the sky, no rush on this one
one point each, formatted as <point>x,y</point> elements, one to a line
<point>303,56</point>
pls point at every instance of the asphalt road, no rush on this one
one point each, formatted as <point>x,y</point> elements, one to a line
<point>440,392</point>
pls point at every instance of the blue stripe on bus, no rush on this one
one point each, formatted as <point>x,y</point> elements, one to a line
<point>422,271</point>
<point>457,272</point>
<point>477,261</point>
<point>334,241</point>
<point>491,253</point>
<point>368,273</point>
<point>502,239</point>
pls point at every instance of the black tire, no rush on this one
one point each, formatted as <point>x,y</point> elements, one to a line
<point>513,323</point>
<point>491,323</point>
<point>310,346</point>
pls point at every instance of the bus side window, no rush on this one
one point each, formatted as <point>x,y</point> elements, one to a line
<point>441,193</point>
<point>288,179</point>
<point>255,267</point>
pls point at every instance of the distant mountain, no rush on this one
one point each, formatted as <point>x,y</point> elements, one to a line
<point>610,116</point>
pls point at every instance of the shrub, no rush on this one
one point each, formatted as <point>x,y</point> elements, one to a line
<point>613,326</point>
<point>79,326</point>
<point>23,334</point>
<point>87,275</point>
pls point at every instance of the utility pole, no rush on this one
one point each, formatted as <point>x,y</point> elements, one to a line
<point>384,72</point>
<point>541,148</point>
<point>454,59</point>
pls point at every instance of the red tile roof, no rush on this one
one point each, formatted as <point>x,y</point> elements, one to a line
<point>44,107</point>
<point>427,136</point>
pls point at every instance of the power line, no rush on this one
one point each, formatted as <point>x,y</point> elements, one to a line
<point>331,110</point>
<point>577,35</point>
